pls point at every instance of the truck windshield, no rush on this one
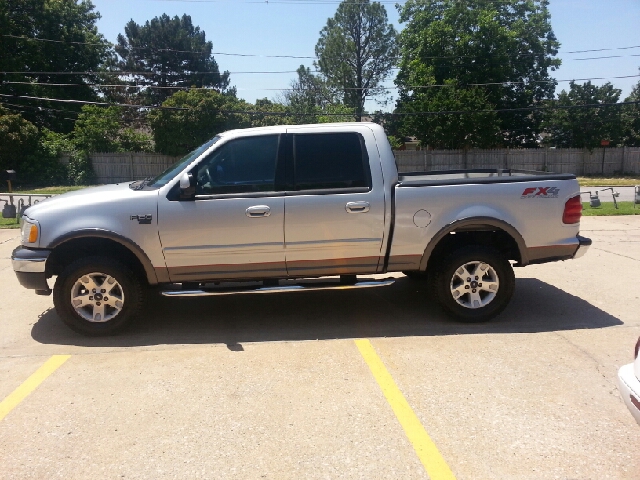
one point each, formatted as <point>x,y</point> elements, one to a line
<point>170,173</point>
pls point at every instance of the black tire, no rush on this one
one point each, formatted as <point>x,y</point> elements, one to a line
<point>446,278</point>
<point>129,287</point>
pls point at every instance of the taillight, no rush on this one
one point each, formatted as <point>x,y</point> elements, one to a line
<point>637,348</point>
<point>572,210</point>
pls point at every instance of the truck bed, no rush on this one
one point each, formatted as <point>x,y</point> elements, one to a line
<point>476,176</point>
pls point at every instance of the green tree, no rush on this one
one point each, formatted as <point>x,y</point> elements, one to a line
<point>199,115</point>
<point>75,46</point>
<point>274,113</point>
<point>478,128</point>
<point>333,113</point>
<point>29,152</point>
<point>312,100</point>
<point>18,140</point>
<point>585,127</point>
<point>507,43</point>
<point>631,118</point>
<point>356,51</point>
<point>99,129</point>
<point>170,53</point>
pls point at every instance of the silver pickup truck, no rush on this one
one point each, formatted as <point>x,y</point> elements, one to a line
<point>275,208</point>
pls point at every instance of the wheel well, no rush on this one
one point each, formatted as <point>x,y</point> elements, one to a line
<point>71,250</point>
<point>486,236</point>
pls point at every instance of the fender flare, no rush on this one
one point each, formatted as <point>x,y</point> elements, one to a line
<point>130,245</point>
<point>468,224</point>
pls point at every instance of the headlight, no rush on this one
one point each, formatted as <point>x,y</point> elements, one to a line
<point>30,232</point>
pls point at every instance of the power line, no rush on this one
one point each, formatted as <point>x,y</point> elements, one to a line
<point>20,109</point>
<point>604,49</point>
<point>113,45</point>
<point>283,2</point>
<point>3,103</point>
<point>38,39</point>
<point>522,109</point>
<point>86,102</point>
<point>271,113</point>
<point>408,87</point>
<point>112,72</point>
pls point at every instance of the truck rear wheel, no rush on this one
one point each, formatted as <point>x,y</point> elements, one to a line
<point>474,283</point>
<point>97,296</point>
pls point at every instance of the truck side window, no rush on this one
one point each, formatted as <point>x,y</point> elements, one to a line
<point>243,165</point>
<point>330,160</point>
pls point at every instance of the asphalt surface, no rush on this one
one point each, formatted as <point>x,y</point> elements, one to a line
<point>274,386</point>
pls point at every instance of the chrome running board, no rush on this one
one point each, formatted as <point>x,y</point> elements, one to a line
<point>310,287</point>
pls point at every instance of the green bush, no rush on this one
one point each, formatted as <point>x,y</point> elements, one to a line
<point>18,140</point>
<point>32,154</point>
<point>99,129</point>
<point>204,114</point>
<point>43,167</point>
<point>79,169</point>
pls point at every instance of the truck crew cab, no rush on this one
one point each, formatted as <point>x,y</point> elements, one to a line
<point>285,203</point>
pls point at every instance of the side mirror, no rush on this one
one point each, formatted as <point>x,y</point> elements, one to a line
<point>187,187</point>
<point>185,181</point>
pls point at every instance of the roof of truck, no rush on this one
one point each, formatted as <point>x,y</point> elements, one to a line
<point>283,128</point>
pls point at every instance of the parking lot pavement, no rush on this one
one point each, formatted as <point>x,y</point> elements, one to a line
<point>273,386</point>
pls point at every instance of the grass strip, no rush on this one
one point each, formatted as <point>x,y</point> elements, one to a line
<point>49,190</point>
<point>609,209</point>
<point>9,223</point>
<point>608,181</point>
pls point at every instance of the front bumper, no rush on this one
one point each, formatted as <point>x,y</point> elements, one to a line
<point>584,244</point>
<point>30,267</point>
<point>629,387</point>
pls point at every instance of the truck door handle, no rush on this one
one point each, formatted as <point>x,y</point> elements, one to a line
<point>258,211</point>
<point>357,207</point>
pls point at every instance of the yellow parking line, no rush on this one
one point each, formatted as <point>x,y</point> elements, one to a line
<point>31,383</point>
<point>426,450</point>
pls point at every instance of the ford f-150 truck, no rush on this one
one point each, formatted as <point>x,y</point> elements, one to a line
<point>278,206</point>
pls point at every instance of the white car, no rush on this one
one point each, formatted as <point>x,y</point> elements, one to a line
<point>629,385</point>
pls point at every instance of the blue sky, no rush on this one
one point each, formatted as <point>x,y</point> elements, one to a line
<point>291,27</point>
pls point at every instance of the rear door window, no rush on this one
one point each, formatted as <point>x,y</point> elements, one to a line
<point>330,161</point>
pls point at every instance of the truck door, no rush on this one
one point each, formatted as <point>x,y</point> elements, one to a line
<point>334,216</point>
<point>234,227</point>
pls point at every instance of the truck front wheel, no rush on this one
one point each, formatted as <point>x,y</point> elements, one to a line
<point>97,296</point>
<point>474,283</point>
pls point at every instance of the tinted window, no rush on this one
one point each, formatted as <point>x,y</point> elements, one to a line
<point>329,160</point>
<point>240,166</point>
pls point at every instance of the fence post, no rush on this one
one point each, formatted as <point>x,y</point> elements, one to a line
<point>624,150</point>
<point>131,165</point>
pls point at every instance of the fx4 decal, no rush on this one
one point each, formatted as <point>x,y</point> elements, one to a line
<point>540,192</point>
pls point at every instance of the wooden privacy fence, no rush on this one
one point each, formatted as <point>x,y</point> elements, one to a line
<point>124,167</point>
<point>561,160</point>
